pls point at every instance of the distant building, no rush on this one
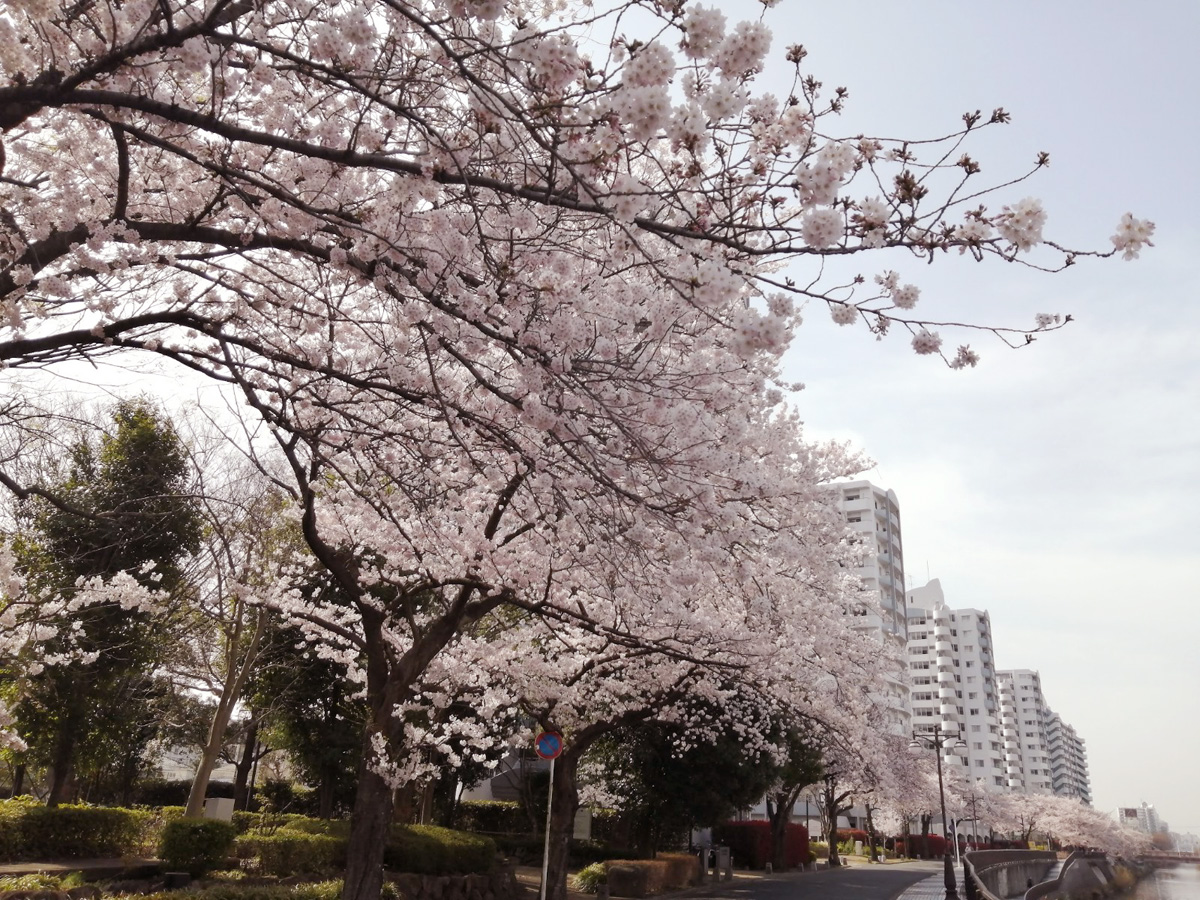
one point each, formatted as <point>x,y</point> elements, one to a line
<point>1014,741</point>
<point>1023,715</point>
<point>1142,818</point>
<point>953,680</point>
<point>874,513</point>
<point>1068,760</point>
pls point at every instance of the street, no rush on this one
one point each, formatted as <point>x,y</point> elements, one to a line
<point>861,882</point>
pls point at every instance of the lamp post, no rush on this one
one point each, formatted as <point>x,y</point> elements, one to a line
<point>940,740</point>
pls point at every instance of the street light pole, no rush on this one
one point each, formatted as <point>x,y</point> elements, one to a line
<point>936,740</point>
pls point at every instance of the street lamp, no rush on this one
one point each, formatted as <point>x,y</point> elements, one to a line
<point>940,741</point>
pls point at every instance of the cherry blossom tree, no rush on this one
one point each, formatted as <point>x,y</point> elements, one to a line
<point>502,288</point>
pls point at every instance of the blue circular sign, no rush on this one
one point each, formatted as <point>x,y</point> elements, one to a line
<point>549,744</point>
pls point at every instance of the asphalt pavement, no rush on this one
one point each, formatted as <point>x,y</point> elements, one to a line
<point>904,881</point>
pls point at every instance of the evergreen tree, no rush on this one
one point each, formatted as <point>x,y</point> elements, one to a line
<point>122,506</point>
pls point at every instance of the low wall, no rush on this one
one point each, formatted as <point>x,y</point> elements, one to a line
<point>1085,876</point>
<point>1002,874</point>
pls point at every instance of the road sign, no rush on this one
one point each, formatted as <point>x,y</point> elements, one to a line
<point>549,744</point>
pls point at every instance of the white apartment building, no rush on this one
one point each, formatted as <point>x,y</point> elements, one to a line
<point>1142,818</point>
<point>1068,760</point>
<point>953,681</point>
<point>1023,715</point>
<point>874,513</point>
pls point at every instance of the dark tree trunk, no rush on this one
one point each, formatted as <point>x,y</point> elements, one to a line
<point>780,813</point>
<point>831,837</point>
<point>325,792</point>
<point>565,803</point>
<point>370,823</point>
<point>871,836</point>
<point>64,758</point>
<point>18,780</point>
<point>241,779</point>
<point>832,806</point>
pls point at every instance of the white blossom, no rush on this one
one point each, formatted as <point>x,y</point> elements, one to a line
<point>1021,223</point>
<point>1132,235</point>
<point>822,228</point>
<point>925,342</point>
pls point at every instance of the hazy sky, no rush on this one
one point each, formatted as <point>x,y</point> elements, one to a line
<point>1057,486</point>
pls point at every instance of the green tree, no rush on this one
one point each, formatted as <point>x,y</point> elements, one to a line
<point>675,777</point>
<point>123,505</point>
<point>313,713</point>
<point>800,767</point>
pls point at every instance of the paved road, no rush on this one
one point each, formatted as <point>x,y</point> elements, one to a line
<point>863,882</point>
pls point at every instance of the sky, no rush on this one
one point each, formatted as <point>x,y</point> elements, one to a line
<point>1057,486</point>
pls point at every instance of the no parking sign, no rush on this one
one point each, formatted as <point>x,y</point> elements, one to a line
<point>549,744</point>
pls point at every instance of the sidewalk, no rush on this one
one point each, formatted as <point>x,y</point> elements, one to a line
<point>96,868</point>
<point>932,888</point>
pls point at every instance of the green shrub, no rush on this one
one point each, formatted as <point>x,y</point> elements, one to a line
<point>588,879</point>
<point>319,845</point>
<point>291,852</point>
<point>819,849</point>
<point>491,817</point>
<point>306,825</point>
<point>41,882</point>
<point>313,890</point>
<point>196,845</point>
<point>29,830</point>
<point>430,850</point>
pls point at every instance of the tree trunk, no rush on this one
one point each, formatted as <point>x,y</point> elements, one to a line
<point>325,790</point>
<point>780,814</point>
<point>231,690</point>
<point>871,836</point>
<point>241,794</point>
<point>18,784</point>
<point>64,758</point>
<point>565,803</point>
<point>370,823</point>
<point>831,813</point>
<point>404,804</point>
<point>208,761</point>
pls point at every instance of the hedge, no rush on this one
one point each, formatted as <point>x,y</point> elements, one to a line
<point>643,877</point>
<point>289,852</point>
<point>196,846</point>
<point>491,817</point>
<point>750,843</point>
<point>316,845</point>
<point>430,850</point>
<point>30,831</point>
<point>852,835</point>
<point>930,846</point>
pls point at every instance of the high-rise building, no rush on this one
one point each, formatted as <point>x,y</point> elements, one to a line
<point>1023,715</point>
<point>1142,818</point>
<point>1068,760</point>
<point>874,513</point>
<point>1013,740</point>
<point>953,680</point>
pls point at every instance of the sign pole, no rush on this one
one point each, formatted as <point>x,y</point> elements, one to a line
<point>546,849</point>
